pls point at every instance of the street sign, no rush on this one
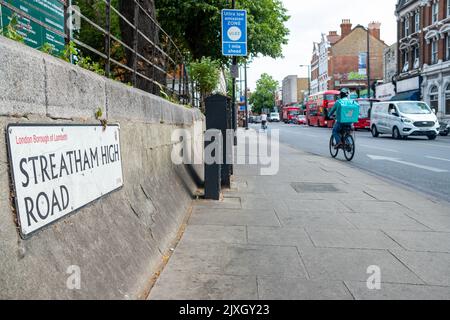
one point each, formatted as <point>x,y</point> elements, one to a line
<point>58,169</point>
<point>362,64</point>
<point>50,12</point>
<point>234,32</point>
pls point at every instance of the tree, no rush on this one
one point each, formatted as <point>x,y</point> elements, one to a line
<point>195,25</point>
<point>264,95</point>
<point>206,73</point>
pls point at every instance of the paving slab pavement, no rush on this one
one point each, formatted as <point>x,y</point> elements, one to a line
<point>314,231</point>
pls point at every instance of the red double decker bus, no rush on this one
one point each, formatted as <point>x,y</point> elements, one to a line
<point>318,106</point>
<point>365,105</point>
<point>290,113</point>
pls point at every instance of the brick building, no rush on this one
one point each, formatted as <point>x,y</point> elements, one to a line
<point>341,59</point>
<point>424,51</point>
<point>294,90</point>
<point>302,89</point>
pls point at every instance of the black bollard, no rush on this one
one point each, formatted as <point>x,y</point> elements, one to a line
<point>219,118</point>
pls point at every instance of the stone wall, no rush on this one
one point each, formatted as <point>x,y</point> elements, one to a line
<point>119,240</point>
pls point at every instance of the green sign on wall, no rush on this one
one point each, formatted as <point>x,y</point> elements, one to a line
<point>49,12</point>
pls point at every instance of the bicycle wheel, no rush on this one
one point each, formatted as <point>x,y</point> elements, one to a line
<point>334,152</point>
<point>349,148</point>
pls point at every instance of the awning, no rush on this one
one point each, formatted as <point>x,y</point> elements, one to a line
<point>413,95</point>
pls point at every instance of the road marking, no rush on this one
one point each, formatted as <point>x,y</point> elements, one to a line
<point>436,158</point>
<point>437,145</point>
<point>396,160</point>
<point>378,148</point>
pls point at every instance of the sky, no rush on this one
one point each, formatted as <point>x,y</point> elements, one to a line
<point>309,19</point>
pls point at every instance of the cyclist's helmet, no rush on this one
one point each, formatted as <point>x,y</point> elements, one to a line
<point>344,92</point>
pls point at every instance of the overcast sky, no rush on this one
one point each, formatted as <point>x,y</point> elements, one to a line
<point>309,19</point>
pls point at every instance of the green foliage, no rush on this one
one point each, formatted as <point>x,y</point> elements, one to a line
<point>99,113</point>
<point>88,64</point>
<point>206,72</point>
<point>98,116</point>
<point>47,48</point>
<point>10,31</point>
<point>165,95</point>
<point>96,12</point>
<point>264,95</point>
<point>195,25</point>
<point>85,62</point>
<point>69,51</point>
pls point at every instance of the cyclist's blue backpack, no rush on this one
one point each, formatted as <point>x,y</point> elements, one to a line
<point>349,111</point>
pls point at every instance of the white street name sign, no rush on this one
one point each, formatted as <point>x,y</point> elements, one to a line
<point>58,169</point>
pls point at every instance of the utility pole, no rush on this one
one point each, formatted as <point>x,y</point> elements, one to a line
<point>234,124</point>
<point>246,97</point>
<point>368,62</point>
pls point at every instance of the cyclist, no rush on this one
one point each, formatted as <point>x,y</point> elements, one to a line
<point>264,121</point>
<point>339,126</point>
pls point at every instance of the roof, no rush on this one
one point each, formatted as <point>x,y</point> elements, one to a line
<point>353,30</point>
<point>404,3</point>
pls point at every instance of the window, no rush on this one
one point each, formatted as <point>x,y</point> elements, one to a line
<point>435,12</point>
<point>417,21</point>
<point>406,26</point>
<point>405,61</point>
<point>447,45</point>
<point>448,8</point>
<point>414,108</point>
<point>416,53</point>
<point>434,52</point>
<point>434,98</point>
<point>447,99</point>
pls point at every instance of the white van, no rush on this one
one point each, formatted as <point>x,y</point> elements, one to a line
<point>403,119</point>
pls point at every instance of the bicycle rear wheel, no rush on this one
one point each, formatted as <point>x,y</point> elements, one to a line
<point>349,147</point>
<point>334,152</point>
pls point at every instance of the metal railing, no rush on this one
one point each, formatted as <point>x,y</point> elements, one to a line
<point>127,43</point>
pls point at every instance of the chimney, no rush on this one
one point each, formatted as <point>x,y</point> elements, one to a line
<point>375,29</point>
<point>333,37</point>
<point>346,27</point>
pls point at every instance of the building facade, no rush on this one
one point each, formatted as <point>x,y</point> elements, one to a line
<point>324,55</point>
<point>315,69</point>
<point>289,89</point>
<point>424,51</point>
<point>302,89</point>
<point>390,63</point>
<point>340,60</point>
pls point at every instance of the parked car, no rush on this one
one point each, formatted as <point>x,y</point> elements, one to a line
<point>444,128</point>
<point>258,119</point>
<point>274,117</point>
<point>251,119</point>
<point>403,119</point>
<point>301,119</point>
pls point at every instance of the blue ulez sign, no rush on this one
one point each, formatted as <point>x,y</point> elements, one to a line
<point>234,32</point>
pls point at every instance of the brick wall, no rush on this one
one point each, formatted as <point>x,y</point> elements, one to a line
<point>345,54</point>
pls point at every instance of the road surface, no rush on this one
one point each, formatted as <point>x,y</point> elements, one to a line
<point>416,163</point>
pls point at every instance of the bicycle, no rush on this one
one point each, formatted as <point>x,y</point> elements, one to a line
<point>348,143</point>
<point>264,126</point>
